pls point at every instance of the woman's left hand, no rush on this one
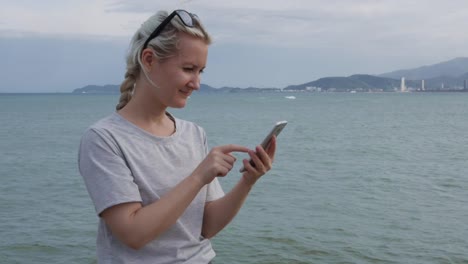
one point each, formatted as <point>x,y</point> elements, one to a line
<point>262,159</point>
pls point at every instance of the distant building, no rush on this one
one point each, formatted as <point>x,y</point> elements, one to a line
<point>422,86</point>
<point>313,89</point>
<point>464,86</point>
<point>403,86</point>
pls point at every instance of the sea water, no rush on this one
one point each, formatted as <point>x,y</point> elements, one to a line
<point>357,178</point>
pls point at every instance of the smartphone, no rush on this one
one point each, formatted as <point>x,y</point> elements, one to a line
<point>275,131</point>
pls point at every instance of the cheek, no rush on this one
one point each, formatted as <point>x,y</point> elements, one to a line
<point>183,80</point>
<point>174,80</point>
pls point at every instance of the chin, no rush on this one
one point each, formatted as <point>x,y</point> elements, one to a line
<point>179,104</point>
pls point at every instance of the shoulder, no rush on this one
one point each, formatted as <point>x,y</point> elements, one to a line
<point>185,126</point>
<point>110,125</point>
<point>102,130</point>
<point>188,131</point>
<point>190,134</point>
<point>109,122</point>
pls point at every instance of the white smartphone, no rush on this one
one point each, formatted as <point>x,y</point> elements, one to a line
<point>275,131</point>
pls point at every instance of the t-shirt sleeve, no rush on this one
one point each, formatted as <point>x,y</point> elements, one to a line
<point>214,190</point>
<point>107,177</point>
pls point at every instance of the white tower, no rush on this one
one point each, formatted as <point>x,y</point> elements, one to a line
<point>422,86</point>
<point>403,86</point>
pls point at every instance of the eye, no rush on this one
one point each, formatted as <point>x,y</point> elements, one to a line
<point>189,69</point>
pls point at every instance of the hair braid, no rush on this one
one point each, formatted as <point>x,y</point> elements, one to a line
<point>127,86</point>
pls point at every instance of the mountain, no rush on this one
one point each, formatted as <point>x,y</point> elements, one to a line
<point>115,89</point>
<point>451,68</point>
<point>96,89</point>
<point>365,83</point>
<point>357,82</point>
<point>448,75</point>
<point>441,76</point>
<point>206,88</point>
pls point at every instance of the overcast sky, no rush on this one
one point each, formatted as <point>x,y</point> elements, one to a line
<point>57,46</point>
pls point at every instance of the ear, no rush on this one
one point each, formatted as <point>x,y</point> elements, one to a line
<point>148,59</point>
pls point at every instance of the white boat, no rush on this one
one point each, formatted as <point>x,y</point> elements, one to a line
<point>290,97</point>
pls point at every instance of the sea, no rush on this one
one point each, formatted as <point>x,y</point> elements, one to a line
<point>357,178</point>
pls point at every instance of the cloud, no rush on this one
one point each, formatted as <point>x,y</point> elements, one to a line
<point>406,30</point>
<point>267,42</point>
<point>66,18</point>
<point>294,23</point>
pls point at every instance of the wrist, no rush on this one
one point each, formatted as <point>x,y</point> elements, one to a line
<point>196,180</point>
<point>248,181</point>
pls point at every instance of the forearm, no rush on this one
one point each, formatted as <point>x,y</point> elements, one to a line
<point>220,212</point>
<point>146,223</point>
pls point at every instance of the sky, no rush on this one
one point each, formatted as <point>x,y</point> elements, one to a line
<point>58,46</point>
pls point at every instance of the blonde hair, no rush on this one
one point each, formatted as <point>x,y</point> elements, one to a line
<point>164,46</point>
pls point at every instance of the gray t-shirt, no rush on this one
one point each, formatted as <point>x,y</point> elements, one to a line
<point>122,163</point>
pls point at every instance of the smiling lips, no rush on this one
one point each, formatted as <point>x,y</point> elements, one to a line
<point>186,93</point>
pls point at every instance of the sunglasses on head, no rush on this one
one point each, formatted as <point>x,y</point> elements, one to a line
<point>187,18</point>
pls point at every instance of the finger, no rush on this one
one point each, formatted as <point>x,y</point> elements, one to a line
<point>232,148</point>
<point>248,168</point>
<point>259,166</point>
<point>271,149</point>
<point>224,161</point>
<point>229,158</point>
<point>224,158</point>
<point>222,172</point>
<point>264,158</point>
<point>224,168</point>
<point>217,154</point>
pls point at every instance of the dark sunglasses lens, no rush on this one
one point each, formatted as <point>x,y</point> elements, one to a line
<point>186,18</point>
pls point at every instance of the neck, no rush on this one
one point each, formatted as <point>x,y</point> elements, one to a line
<point>148,113</point>
<point>139,111</point>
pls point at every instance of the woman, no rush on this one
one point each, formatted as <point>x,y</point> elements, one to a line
<point>150,175</point>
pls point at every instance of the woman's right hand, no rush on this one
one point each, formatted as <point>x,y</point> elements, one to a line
<point>217,163</point>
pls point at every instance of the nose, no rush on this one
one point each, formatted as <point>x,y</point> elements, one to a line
<point>195,82</point>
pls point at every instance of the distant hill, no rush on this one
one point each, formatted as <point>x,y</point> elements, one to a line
<point>441,76</point>
<point>451,68</point>
<point>358,82</point>
<point>204,88</point>
<point>448,75</point>
<point>115,89</point>
<point>96,89</point>
<point>364,83</point>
